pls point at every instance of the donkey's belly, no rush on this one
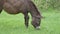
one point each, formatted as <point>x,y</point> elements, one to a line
<point>10,9</point>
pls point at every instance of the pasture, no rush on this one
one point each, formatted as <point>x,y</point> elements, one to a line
<point>14,24</point>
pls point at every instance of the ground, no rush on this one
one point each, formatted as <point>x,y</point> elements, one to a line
<point>14,24</point>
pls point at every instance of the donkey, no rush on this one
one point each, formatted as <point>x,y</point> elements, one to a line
<point>24,7</point>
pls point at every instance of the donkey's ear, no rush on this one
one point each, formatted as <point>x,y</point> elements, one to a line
<point>38,17</point>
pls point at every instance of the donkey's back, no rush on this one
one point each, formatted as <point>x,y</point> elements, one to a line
<point>16,6</point>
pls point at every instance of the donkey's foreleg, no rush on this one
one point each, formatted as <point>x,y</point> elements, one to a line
<point>26,17</point>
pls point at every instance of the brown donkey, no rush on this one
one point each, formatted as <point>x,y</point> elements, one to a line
<point>22,6</point>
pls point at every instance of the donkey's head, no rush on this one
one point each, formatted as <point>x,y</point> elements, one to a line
<point>36,22</point>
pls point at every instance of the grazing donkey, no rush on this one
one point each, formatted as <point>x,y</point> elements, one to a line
<point>24,7</point>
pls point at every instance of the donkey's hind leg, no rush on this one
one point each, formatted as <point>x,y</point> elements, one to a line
<point>26,17</point>
<point>1,5</point>
<point>0,10</point>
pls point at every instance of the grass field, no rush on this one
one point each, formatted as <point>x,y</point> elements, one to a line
<point>14,24</point>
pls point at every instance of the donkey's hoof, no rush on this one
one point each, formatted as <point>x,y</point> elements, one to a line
<point>38,28</point>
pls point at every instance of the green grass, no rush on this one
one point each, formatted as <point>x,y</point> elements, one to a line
<point>14,24</point>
